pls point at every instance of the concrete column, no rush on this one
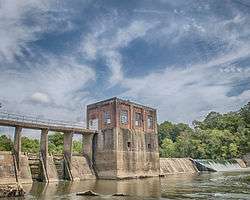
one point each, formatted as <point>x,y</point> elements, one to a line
<point>87,142</point>
<point>17,145</point>
<point>67,141</point>
<point>44,146</point>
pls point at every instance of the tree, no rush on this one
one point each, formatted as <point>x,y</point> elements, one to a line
<point>245,114</point>
<point>30,145</point>
<point>77,146</point>
<point>167,148</point>
<point>56,143</point>
<point>5,143</point>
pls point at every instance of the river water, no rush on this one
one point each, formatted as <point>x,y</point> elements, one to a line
<point>219,185</point>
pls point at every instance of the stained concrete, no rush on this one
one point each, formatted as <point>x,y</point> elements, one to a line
<point>114,159</point>
<point>7,168</point>
<point>80,168</point>
<point>24,174</point>
<point>176,166</point>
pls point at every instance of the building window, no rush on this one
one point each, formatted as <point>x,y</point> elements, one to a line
<point>129,144</point>
<point>150,122</point>
<point>124,116</point>
<point>107,117</point>
<point>138,119</point>
<point>149,146</point>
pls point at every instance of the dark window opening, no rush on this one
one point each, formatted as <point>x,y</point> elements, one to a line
<point>129,144</point>
<point>149,146</point>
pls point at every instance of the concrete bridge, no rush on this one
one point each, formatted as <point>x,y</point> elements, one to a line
<point>45,125</point>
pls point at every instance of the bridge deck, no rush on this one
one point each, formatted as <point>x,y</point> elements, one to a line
<point>13,120</point>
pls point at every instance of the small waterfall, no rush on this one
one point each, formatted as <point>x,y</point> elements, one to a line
<point>218,165</point>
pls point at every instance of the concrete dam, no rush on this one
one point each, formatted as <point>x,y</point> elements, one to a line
<point>120,141</point>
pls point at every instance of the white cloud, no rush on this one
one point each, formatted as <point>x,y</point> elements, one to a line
<point>106,42</point>
<point>40,97</point>
<point>55,88</point>
<point>24,21</point>
<point>185,94</point>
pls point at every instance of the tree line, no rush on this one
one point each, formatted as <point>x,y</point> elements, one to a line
<point>29,145</point>
<point>218,136</point>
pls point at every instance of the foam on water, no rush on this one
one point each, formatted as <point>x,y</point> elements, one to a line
<point>212,165</point>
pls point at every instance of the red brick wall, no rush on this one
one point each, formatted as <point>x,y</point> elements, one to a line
<point>115,108</point>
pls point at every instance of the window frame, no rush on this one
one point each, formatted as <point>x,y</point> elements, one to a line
<point>139,119</point>
<point>107,120</point>
<point>150,122</point>
<point>122,112</point>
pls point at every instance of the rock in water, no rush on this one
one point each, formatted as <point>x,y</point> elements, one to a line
<point>11,191</point>
<point>87,193</point>
<point>119,195</point>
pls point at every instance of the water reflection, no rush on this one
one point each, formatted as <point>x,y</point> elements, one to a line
<point>227,185</point>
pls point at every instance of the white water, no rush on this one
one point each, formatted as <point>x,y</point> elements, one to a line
<point>220,165</point>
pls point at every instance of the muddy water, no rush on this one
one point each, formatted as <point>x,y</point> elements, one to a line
<point>227,185</point>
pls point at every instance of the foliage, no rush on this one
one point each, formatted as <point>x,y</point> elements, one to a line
<point>29,145</point>
<point>5,143</point>
<point>218,136</point>
<point>167,148</point>
<point>77,147</point>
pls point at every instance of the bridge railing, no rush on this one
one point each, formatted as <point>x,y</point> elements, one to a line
<point>36,120</point>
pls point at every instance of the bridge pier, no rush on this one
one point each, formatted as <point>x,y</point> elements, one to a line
<point>67,145</point>
<point>87,142</point>
<point>44,146</point>
<point>17,145</point>
<point>44,155</point>
<point>67,151</point>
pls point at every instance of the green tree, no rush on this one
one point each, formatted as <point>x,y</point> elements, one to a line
<point>167,148</point>
<point>77,147</point>
<point>56,143</point>
<point>5,143</point>
<point>29,145</point>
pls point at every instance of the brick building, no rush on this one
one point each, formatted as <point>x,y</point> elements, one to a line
<point>127,142</point>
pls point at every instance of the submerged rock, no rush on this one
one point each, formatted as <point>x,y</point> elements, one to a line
<point>87,193</point>
<point>119,195</point>
<point>11,191</point>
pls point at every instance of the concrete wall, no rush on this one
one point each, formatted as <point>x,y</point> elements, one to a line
<point>114,158</point>
<point>7,168</point>
<point>176,166</point>
<point>24,173</point>
<point>80,168</point>
<point>137,154</point>
<point>246,159</point>
<point>104,155</point>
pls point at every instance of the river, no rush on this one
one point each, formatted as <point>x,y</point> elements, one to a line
<point>219,185</point>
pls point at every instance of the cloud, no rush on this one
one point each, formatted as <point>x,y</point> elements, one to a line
<point>185,94</point>
<point>108,41</point>
<point>39,97</point>
<point>55,88</point>
<point>22,22</point>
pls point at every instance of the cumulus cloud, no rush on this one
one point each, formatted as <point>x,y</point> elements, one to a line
<point>39,97</point>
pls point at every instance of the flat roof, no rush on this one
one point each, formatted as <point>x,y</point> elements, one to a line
<point>107,101</point>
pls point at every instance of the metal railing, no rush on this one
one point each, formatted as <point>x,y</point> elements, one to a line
<point>35,120</point>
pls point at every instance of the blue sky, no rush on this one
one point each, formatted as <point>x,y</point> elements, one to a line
<point>185,58</point>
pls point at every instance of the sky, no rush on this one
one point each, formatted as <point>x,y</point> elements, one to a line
<point>184,58</point>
